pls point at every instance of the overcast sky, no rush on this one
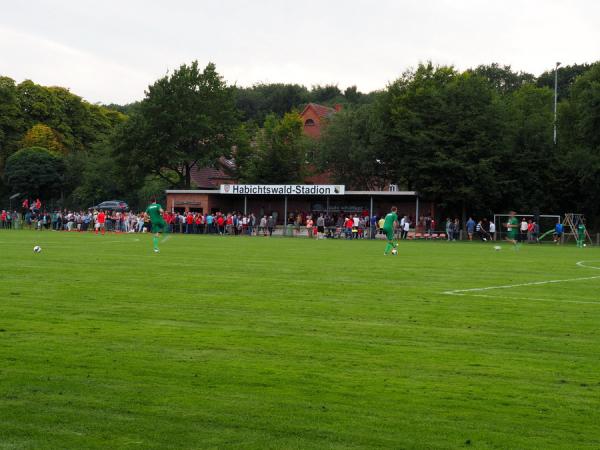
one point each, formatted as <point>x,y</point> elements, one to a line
<point>111,50</point>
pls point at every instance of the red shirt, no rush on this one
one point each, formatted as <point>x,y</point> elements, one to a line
<point>101,217</point>
<point>220,220</point>
<point>189,219</point>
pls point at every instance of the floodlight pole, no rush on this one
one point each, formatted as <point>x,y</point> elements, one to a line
<point>555,96</point>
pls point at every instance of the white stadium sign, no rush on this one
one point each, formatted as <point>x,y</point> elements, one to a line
<point>283,189</point>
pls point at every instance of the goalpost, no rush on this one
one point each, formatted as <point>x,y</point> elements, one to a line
<point>546,223</point>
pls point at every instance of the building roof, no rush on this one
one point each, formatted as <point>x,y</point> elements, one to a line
<point>210,177</point>
<point>364,193</point>
<point>320,110</point>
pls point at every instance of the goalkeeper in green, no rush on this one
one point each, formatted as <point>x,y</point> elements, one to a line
<point>389,224</point>
<point>155,212</point>
<point>581,233</point>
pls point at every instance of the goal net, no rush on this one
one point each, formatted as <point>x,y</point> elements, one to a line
<point>546,223</point>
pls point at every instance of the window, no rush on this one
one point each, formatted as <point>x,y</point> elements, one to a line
<point>309,123</point>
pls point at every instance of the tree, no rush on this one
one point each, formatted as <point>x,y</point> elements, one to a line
<point>279,153</point>
<point>260,100</point>
<point>186,119</point>
<point>579,144</point>
<point>34,171</point>
<point>76,123</point>
<point>11,118</point>
<point>41,135</point>
<point>444,136</point>
<point>503,78</point>
<point>350,149</point>
<point>566,78</point>
<point>327,94</point>
<point>527,182</point>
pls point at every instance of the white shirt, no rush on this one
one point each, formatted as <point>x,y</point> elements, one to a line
<point>492,227</point>
<point>406,225</point>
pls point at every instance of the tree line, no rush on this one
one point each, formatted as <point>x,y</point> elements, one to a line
<point>477,141</point>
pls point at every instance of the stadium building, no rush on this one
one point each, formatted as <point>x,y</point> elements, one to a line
<point>280,200</point>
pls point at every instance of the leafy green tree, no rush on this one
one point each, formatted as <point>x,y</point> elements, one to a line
<point>35,171</point>
<point>328,94</point>
<point>187,119</point>
<point>566,78</point>
<point>350,149</point>
<point>41,135</point>
<point>579,144</point>
<point>279,153</point>
<point>503,78</point>
<point>92,176</point>
<point>11,118</point>
<point>76,123</point>
<point>445,136</point>
<point>260,100</point>
<point>528,178</point>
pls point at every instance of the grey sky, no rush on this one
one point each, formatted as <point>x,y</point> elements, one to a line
<point>110,50</point>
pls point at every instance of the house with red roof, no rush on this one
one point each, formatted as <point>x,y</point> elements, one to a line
<point>212,177</point>
<point>314,117</point>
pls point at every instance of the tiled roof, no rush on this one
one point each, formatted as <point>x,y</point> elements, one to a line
<point>211,178</point>
<point>320,110</point>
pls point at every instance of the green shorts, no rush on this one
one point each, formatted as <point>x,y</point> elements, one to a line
<point>389,234</point>
<point>159,227</point>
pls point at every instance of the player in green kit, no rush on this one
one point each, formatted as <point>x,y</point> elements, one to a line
<point>391,221</point>
<point>155,212</point>
<point>512,228</point>
<point>581,233</point>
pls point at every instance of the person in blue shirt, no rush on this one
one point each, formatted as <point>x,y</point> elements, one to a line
<point>373,227</point>
<point>209,223</point>
<point>470,228</point>
<point>558,232</point>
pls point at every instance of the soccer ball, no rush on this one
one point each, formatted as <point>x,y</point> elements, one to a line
<point>497,248</point>
<point>394,251</point>
<point>585,245</point>
<point>37,249</point>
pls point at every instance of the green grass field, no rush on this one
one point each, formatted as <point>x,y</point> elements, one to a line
<point>276,343</point>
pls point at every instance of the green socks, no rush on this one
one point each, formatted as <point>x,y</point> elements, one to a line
<point>155,241</point>
<point>388,247</point>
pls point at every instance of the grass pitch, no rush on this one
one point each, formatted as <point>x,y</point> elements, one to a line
<point>296,344</point>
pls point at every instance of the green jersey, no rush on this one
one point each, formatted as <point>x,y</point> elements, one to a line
<point>154,212</point>
<point>581,230</point>
<point>513,227</point>
<point>388,224</point>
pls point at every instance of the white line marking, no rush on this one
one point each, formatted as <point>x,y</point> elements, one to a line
<point>537,299</point>
<point>508,286</point>
<point>533,283</point>
<point>583,264</point>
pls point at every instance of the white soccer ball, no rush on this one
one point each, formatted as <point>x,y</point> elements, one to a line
<point>394,251</point>
<point>497,248</point>
<point>37,249</point>
<point>585,245</point>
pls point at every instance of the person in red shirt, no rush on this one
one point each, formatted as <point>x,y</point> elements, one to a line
<point>198,223</point>
<point>220,223</point>
<point>348,224</point>
<point>100,221</point>
<point>189,223</point>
